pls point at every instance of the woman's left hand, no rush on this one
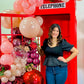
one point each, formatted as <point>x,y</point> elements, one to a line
<point>60,58</point>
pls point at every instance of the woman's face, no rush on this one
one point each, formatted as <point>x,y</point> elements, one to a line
<point>55,32</point>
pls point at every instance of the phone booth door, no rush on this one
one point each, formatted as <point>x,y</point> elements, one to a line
<point>63,14</point>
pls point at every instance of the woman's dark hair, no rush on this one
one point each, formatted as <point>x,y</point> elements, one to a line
<point>59,38</point>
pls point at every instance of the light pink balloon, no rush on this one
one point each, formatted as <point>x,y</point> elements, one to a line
<point>17,5</point>
<point>4,39</point>
<point>40,33</point>
<point>6,47</point>
<point>6,59</point>
<point>25,4</point>
<point>39,19</point>
<point>32,1</point>
<point>39,2</point>
<point>29,27</point>
<point>30,10</point>
<point>6,21</point>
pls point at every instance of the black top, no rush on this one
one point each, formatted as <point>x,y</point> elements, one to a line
<point>52,53</point>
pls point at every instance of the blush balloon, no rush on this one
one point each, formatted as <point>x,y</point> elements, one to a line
<point>32,1</point>
<point>18,6</point>
<point>6,47</point>
<point>30,10</point>
<point>39,19</point>
<point>40,33</point>
<point>6,59</point>
<point>29,27</point>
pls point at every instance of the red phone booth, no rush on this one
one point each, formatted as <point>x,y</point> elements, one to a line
<point>63,14</point>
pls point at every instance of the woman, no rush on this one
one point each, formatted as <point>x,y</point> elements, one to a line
<point>56,64</point>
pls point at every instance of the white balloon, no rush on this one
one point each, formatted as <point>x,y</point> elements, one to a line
<point>17,73</point>
<point>23,61</point>
<point>18,66</point>
<point>13,67</point>
<point>4,79</point>
<point>12,78</point>
<point>7,73</point>
<point>16,61</point>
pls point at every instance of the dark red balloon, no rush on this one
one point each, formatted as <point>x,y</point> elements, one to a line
<point>33,77</point>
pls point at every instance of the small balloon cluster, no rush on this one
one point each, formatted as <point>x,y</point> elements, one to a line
<point>27,6</point>
<point>18,55</point>
<point>29,27</point>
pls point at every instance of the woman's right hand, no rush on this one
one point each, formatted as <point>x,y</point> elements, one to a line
<point>40,51</point>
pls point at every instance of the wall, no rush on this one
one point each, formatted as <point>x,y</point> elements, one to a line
<point>80,40</point>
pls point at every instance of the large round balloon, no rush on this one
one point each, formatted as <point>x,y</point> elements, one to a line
<point>29,27</point>
<point>39,19</point>
<point>6,47</point>
<point>6,21</point>
<point>33,77</point>
<point>40,33</point>
<point>6,59</point>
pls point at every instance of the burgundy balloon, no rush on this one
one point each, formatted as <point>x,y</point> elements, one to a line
<point>28,54</point>
<point>33,51</point>
<point>36,61</point>
<point>29,60</point>
<point>33,55</point>
<point>36,55</point>
<point>17,42</point>
<point>16,30</point>
<point>26,39</point>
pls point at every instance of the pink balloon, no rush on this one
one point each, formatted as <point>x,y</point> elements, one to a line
<point>29,27</point>
<point>30,10</point>
<point>4,39</point>
<point>17,5</point>
<point>32,1</point>
<point>39,2</point>
<point>40,33</point>
<point>25,4</point>
<point>6,47</point>
<point>6,21</point>
<point>6,59</point>
<point>39,19</point>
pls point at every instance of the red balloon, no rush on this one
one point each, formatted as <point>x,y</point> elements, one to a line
<point>33,77</point>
